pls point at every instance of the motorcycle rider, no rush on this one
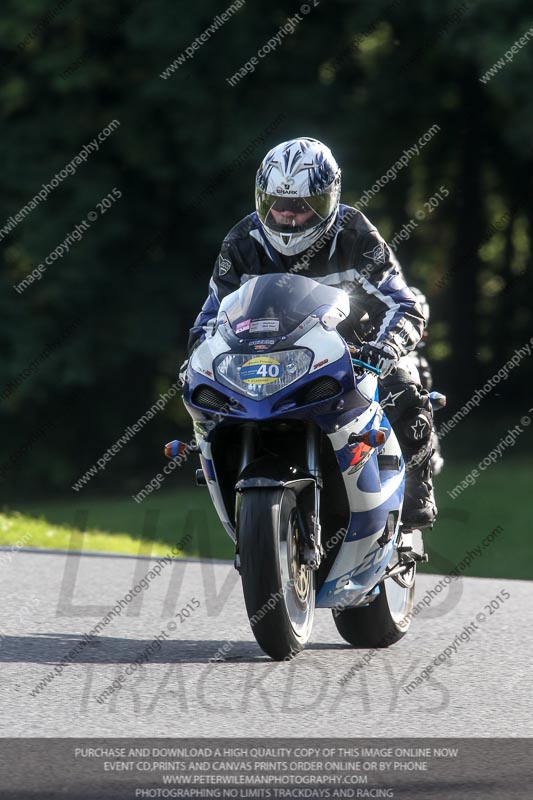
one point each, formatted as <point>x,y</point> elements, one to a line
<point>299,226</point>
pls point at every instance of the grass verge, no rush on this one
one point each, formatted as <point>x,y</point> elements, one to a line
<point>499,497</point>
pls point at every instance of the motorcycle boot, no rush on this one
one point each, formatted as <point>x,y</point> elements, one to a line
<point>409,411</point>
<point>415,434</point>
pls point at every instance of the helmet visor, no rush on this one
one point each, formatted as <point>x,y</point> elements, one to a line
<point>317,207</point>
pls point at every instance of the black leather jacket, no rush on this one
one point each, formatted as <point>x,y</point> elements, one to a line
<point>351,255</point>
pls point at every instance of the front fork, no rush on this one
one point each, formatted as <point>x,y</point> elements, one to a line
<point>313,550</point>
<point>309,523</point>
<point>247,448</point>
<point>247,455</point>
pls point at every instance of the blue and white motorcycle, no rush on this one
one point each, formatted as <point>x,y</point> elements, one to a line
<point>303,467</point>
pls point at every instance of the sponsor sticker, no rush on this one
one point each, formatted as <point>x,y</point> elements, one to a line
<point>261,369</point>
<point>360,455</point>
<point>378,254</point>
<point>261,344</point>
<point>224,265</point>
<point>243,326</point>
<point>261,325</point>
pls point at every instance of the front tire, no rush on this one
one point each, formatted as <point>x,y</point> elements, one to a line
<point>385,620</point>
<point>279,591</point>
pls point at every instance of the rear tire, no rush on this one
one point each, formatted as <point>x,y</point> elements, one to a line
<point>278,591</point>
<point>385,620</point>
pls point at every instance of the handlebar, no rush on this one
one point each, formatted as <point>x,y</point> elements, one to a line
<point>358,363</point>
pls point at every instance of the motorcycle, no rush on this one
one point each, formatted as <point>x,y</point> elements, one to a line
<point>302,466</point>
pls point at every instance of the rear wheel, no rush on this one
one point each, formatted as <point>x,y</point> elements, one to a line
<point>279,590</point>
<point>385,620</point>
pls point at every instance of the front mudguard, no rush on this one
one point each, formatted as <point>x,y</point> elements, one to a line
<point>273,471</point>
<point>270,472</point>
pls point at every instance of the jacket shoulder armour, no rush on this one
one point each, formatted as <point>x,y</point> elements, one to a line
<point>353,220</point>
<point>242,229</point>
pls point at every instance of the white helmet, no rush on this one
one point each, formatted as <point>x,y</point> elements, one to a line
<point>297,176</point>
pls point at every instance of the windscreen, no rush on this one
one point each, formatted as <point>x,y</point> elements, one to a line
<point>274,305</point>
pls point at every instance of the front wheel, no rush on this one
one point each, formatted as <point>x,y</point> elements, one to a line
<point>385,620</point>
<point>279,590</point>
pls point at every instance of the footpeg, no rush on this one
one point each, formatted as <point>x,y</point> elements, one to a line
<point>410,553</point>
<point>420,558</point>
<point>412,547</point>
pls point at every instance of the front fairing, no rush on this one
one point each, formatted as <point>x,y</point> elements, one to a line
<point>264,326</point>
<point>330,360</point>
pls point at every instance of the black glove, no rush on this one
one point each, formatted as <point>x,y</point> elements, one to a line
<point>381,355</point>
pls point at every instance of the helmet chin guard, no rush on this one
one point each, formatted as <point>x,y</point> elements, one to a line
<point>291,244</point>
<point>301,178</point>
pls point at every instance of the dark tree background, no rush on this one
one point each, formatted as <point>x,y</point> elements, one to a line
<point>369,79</point>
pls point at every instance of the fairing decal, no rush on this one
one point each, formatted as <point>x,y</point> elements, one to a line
<point>368,501</point>
<point>208,467</point>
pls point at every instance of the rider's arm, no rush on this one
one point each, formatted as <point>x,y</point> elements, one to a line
<point>395,316</point>
<point>225,279</point>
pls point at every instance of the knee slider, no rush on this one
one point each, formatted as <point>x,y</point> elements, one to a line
<point>414,432</point>
<point>416,426</point>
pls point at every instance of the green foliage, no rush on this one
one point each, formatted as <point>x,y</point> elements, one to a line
<point>369,79</point>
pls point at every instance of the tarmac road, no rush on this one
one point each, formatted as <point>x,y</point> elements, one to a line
<point>50,600</point>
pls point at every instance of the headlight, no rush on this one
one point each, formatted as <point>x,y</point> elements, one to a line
<point>261,376</point>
